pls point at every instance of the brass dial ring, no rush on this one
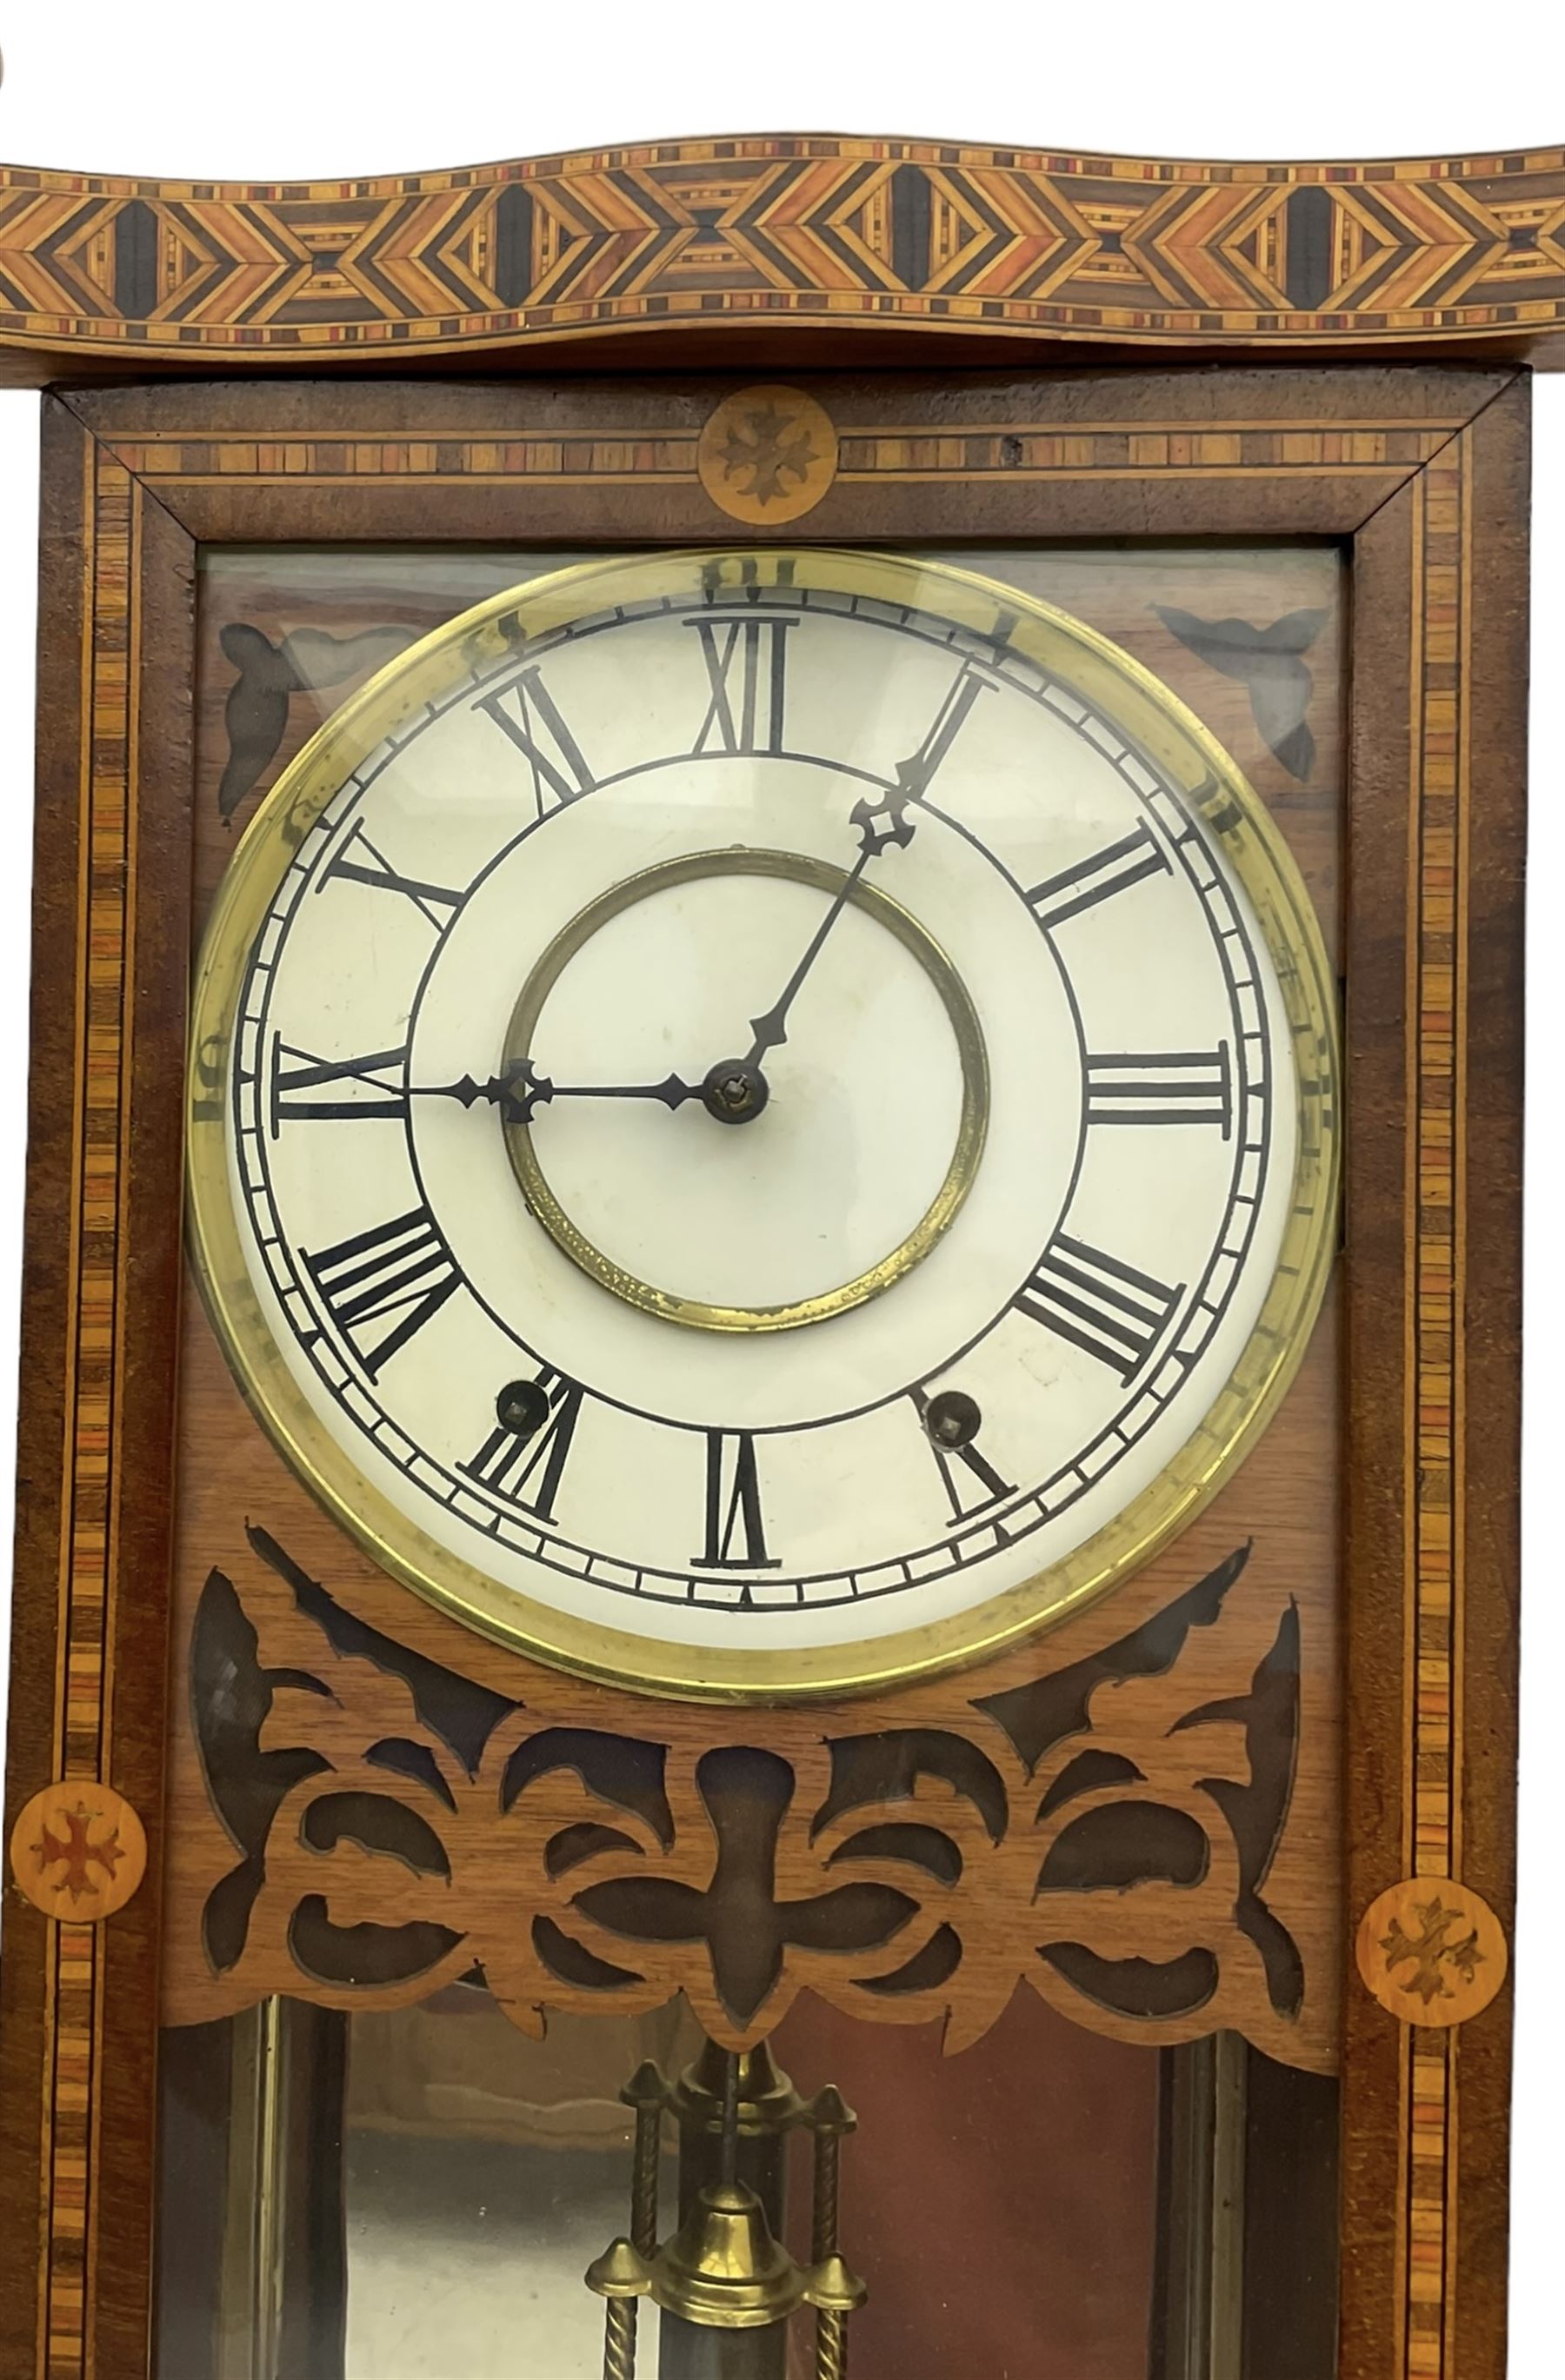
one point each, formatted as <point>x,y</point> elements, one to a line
<point>972,1124</point>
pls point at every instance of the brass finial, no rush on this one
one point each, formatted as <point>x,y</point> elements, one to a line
<point>831,2286</point>
<point>828,2114</point>
<point>621,2275</point>
<point>646,2087</point>
<point>620,2272</point>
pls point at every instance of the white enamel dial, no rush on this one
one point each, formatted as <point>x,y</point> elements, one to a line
<point>767,1106</point>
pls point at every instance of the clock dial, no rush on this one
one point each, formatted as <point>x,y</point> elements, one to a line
<point>776,1117</point>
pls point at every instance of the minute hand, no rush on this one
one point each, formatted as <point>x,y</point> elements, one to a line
<point>771,1029</point>
<point>885,821</point>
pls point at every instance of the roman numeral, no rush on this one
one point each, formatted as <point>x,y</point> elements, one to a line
<point>1108,1309</point>
<point>398,1273</point>
<point>1162,1086</point>
<point>746,663</point>
<point>1098,878</point>
<point>736,1533</point>
<point>970,1480</point>
<point>359,860</point>
<point>510,1461</point>
<point>297,1074</point>
<point>529,714</point>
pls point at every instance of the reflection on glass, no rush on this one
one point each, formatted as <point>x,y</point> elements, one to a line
<point>417,2193</point>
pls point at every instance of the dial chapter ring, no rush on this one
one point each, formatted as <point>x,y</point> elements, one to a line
<point>972,1124</point>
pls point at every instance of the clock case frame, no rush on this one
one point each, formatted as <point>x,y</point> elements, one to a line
<point>1419,471</point>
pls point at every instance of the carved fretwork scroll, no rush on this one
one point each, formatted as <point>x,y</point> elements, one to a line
<point>1104,1831</point>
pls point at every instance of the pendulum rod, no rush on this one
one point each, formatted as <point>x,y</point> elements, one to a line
<point>768,2109</point>
<point>727,2148</point>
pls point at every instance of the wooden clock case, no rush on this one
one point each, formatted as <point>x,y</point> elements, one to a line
<point>1005,347</point>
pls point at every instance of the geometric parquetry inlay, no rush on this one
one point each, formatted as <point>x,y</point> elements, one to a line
<point>853,231</point>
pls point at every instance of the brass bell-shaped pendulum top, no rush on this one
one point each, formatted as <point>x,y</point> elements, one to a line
<point>723,2267</point>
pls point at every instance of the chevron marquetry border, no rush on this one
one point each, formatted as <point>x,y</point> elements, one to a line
<point>772,228</point>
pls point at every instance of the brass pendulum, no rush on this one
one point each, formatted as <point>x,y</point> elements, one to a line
<point>725,2283</point>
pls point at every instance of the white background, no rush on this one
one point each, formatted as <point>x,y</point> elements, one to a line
<point>287,90</point>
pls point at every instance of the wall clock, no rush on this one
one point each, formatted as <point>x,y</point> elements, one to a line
<point>767,1554</point>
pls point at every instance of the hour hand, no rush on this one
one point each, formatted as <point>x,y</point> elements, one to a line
<point>518,1090</point>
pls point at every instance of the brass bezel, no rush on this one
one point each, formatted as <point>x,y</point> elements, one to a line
<point>1208,780</point>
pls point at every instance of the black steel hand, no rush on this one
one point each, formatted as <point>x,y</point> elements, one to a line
<point>914,774</point>
<point>518,1090</point>
<point>771,1029</point>
<point>912,780</point>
